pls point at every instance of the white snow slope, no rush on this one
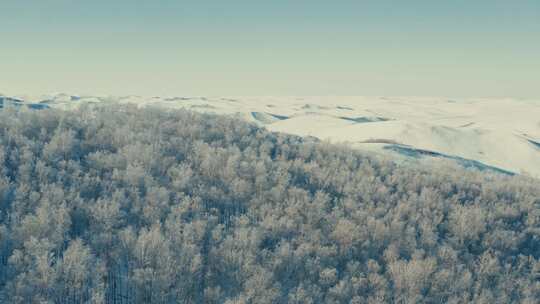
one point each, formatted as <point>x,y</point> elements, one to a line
<point>502,133</point>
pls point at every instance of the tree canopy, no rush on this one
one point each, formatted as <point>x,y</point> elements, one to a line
<point>116,204</point>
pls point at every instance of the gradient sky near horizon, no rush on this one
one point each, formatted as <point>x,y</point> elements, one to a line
<point>455,48</point>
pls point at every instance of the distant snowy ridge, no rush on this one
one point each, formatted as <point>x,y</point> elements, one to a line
<point>496,133</point>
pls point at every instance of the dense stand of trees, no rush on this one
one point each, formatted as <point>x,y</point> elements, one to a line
<point>123,205</point>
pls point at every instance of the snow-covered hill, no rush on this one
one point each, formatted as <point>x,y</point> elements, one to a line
<point>484,133</point>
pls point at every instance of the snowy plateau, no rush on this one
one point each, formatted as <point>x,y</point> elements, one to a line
<point>500,135</point>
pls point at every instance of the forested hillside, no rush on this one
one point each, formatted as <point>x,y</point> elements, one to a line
<point>115,204</point>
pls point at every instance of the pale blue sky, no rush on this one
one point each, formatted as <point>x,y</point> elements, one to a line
<point>460,48</point>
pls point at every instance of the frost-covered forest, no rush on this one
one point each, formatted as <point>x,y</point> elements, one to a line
<point>115,204</point>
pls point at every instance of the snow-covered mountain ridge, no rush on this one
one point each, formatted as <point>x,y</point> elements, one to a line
<point>499,133</point>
